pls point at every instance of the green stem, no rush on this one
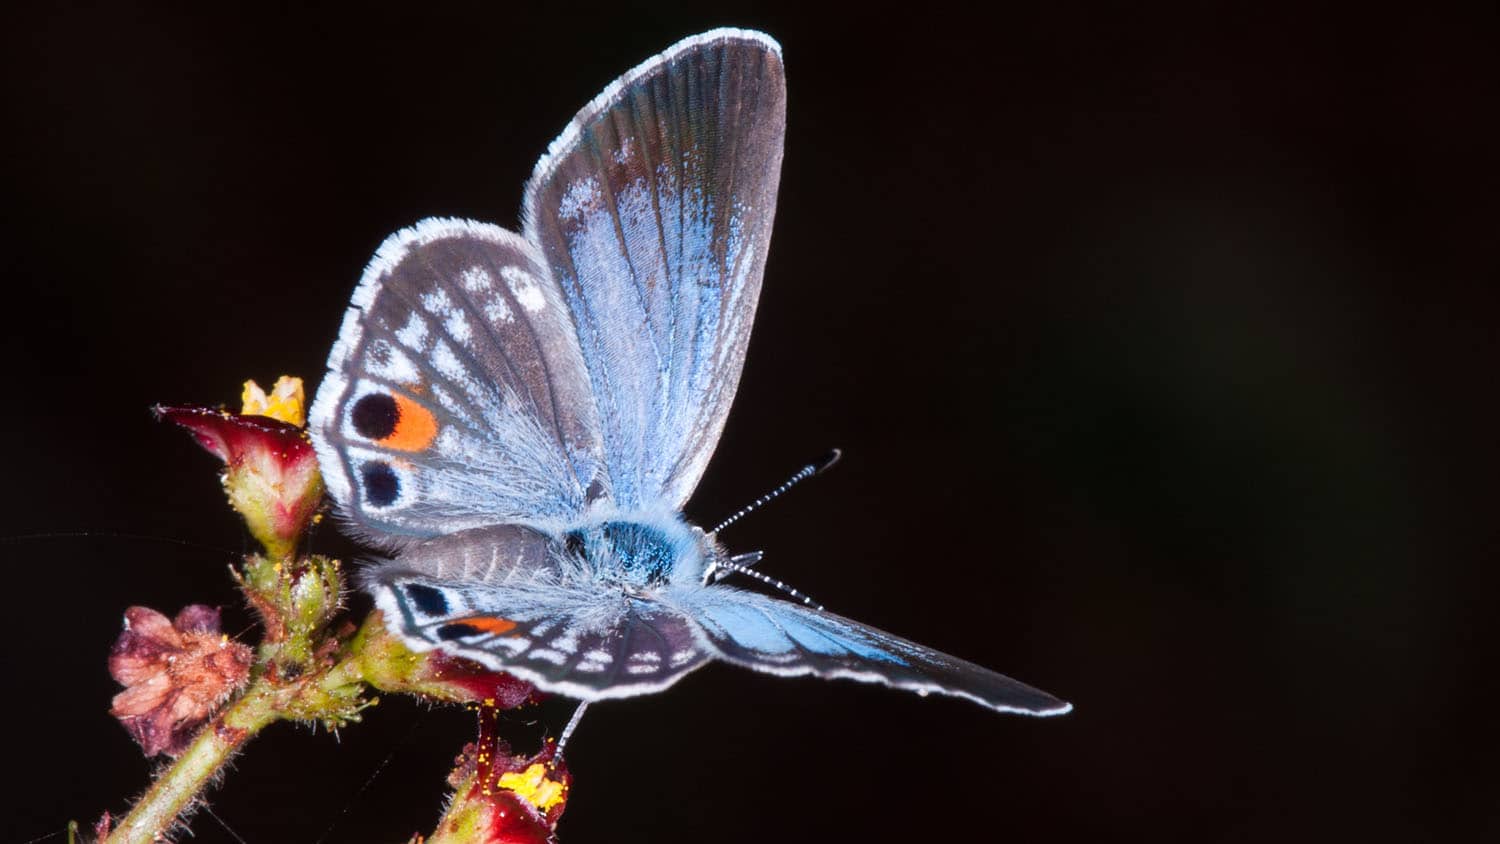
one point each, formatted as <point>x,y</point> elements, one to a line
<point>332,694</point>
<point>181,783</point>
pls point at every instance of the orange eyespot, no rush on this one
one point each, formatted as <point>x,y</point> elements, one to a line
<point>415,427</point>
<point>490,624</point>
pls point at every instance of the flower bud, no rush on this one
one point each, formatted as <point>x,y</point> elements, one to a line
<point>270,470</point>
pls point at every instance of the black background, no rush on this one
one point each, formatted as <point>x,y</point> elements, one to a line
<point>1160,345</point>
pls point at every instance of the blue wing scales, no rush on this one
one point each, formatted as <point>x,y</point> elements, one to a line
<point>653,210</point>
<point>778,637</point>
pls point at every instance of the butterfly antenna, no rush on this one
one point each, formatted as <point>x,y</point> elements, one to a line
<point>802,474</point>
<point>741,564</point>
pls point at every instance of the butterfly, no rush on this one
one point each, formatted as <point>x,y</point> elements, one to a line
<point>519,418</point>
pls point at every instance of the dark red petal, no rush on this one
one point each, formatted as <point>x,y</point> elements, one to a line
<point>506,691</point>
<point>230,436</point>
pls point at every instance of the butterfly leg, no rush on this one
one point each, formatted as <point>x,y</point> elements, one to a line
<point>567,732</point>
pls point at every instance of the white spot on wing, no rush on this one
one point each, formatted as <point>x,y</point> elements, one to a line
<point>448,363</point>
<point>497,311</point>
<point>525,288</point>
<point>477,279</point>
<point>458,327</point>
<point>388,362</point>
<point>413,335</point>
<point>437,302</point>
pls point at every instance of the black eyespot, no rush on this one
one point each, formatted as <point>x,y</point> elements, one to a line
<point>375,416</point>
<point>457,630</point>
<point>381,484</point>
<point>427,599</point>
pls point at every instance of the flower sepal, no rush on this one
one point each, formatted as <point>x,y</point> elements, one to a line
<point>500,798</point>
<point>295,600</point>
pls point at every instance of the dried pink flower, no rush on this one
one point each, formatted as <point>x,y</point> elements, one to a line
<point>176,674</point>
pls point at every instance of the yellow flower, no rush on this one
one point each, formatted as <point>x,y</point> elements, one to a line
<point>287,401</point>
<point>533,786</point>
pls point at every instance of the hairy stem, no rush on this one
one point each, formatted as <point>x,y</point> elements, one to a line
<point>184,780</point>
<point>332,696</point>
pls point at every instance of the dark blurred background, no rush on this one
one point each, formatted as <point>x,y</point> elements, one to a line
<point>1160,345</point>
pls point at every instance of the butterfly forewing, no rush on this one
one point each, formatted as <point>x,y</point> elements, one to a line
<point>456,396</point>
<point>653,210</point>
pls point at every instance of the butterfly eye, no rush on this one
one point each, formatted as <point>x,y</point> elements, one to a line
<point>382,486</point>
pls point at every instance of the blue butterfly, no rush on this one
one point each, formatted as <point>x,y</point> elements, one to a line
<point>519,418</point>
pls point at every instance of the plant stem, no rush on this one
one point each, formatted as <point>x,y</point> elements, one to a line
<point>331,694</point>
<point>183,781</point>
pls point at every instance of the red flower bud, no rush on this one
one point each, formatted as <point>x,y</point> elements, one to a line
<point>270,473</point>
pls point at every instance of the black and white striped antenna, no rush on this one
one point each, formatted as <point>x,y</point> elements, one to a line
<point>801,475</point>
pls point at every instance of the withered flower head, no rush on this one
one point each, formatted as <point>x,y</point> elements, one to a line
<point>176,673</point>
<point>270,470</point>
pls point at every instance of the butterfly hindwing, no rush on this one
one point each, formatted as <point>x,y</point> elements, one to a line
<point>653,210</point>
<point>780,637</point>
<point>563,637</point>
<point>456,395</point>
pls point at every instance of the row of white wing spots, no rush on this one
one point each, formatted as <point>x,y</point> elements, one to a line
<point>594,661</point>
<point>567,642</point>
<point>515,645</point>
<point>387,257</point>
<point>455,322</point>
<point>547,655</point>
<point>644,662</point>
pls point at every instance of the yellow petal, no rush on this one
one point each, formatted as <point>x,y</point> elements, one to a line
<point>287,401</point>
<point>533,786</point>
